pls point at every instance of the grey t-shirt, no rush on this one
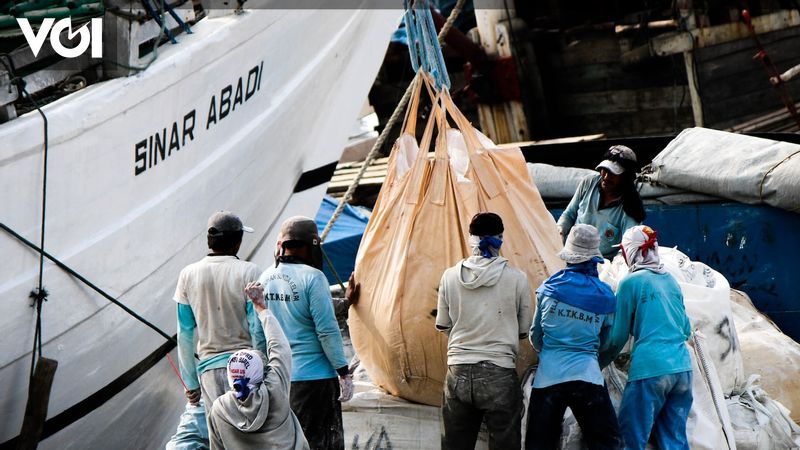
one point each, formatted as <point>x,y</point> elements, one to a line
<point>214,288</point>
<point>485,307</point>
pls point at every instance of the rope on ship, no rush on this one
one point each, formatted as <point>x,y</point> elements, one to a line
<point>42,370</point>
<point>427,54</point>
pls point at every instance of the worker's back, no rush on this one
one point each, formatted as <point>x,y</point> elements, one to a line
<point>485,303</point>
<point>214,288</point>
<point>660,326</point>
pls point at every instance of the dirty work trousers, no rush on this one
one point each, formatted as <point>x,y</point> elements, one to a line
<point>213,383</point>
<point>317,407</point>
<point>591,406</point>
<point>477,392</point>
<point>660,404</point>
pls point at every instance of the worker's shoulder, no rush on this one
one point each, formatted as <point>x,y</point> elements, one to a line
<point>515,273</point>
<point>644,277</point>
<point>588,180</point>
<point>452,270</point>
<point>248,266</point>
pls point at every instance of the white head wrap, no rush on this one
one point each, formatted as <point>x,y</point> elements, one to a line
<point>640,249</point>
<point>246,365</point>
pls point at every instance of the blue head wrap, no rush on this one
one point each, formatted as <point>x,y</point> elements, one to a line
<point>487,243</point>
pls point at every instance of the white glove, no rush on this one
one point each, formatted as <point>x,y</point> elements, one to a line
<point>255,292</point>
<point>346,388</point>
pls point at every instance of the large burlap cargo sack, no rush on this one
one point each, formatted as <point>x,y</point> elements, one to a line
<point>733,166</point>
<point>419,228</point>
<point>768,352</point>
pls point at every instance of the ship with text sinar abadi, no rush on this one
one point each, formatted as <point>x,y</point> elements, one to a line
<point>110,167</point>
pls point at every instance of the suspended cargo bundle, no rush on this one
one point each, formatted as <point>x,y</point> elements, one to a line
<point>419,228</point>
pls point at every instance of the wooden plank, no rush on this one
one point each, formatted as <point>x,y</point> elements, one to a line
<point>600,49</point>
<point>612,76</point>
<point>650,122</point>
<point>679,42</point>
<point>353,171</point>
<point>725,113</point>
<point>768,40</point>
<point>619,101</point>
<point>562,140</point>
<point>38,401</point>
<point>332,186</point>
<point>384,160</point>
<point>728,61</point>
<point>694,90</point>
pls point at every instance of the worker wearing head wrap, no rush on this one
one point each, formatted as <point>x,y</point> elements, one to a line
<point>255,412</point>
<point>658,395</point>
<point>608,200</point>
<point>484,308</point>
<point>298,295</point>
<point>574,314</point>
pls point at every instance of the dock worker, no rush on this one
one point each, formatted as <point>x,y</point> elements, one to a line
<point>608,200</point>
<point>574,315</point>
<point>658,394</point>
<point>484,308</point>
<point>297,293</point>
<point>211,301</point>
<point>255,412</point>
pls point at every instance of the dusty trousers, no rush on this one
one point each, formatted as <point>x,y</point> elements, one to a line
<point>477,392</point>
<point>591,405</point>
<point>317,407</point>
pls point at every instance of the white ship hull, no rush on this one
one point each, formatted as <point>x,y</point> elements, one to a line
<point>128,218</point>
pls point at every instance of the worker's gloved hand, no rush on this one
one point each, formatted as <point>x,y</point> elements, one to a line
<point>255,292</point>
<point>194,396</point>
<point>346,388</point>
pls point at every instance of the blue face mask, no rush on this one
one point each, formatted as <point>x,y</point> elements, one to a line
<point>241,388</point>
<point>487,243</point>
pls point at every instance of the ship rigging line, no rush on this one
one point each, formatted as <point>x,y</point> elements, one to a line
<point>39,295</point>
<point>398,111</point>
<point>88,283</point>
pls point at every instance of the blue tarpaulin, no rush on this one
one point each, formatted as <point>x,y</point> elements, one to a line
<point>341,244</point>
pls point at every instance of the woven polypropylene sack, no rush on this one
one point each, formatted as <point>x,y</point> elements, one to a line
<point>742,168</point>
<point>418,229</point>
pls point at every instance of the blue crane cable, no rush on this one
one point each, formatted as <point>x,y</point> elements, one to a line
<point>423,43</point>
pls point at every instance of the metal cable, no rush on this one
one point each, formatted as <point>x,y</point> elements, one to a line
<point>398,111</point>
<point>88,283</point>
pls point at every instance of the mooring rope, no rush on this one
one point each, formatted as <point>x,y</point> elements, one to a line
<point>398,111</point>
<point>38,295</point>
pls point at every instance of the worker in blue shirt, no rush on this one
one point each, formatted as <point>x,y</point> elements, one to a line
<point>658,394</point>
<point>609,200</point>
<point>297,293</point>
<point>574,314</point>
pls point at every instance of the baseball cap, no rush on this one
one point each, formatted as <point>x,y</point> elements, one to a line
<point>617,158</point>
<point>299,228</point>
<point>222,222</point>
